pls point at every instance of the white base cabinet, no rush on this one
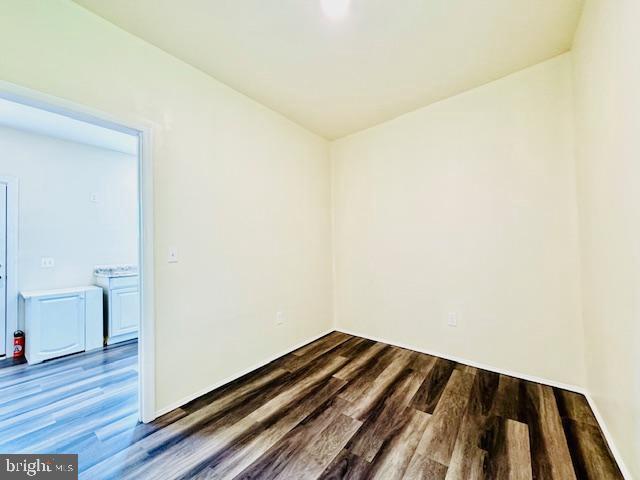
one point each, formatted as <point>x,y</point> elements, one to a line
<point>122,299</point>
<point>60,322</point>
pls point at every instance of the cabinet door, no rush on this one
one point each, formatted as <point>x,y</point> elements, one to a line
<point>125,311</point>
<point>55,327</point>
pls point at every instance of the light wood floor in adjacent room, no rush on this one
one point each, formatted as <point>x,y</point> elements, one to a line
<point>341,407</point>
<point>82,403</point>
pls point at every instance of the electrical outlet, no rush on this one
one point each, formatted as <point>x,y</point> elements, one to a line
<point>452,319</point>
<point>279,318</point>
<point>47,262</point>
<point>95,198</point>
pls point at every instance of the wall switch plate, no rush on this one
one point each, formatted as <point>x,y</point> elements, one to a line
<point>173,255</point>
<point>95,198</point>
<point>279,318</point>
<point>47,262</point>
<point>452,319</point>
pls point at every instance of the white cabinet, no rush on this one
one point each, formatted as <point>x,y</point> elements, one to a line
<point>56,322</point>
<point>122,298</point>
<point>124,308</point>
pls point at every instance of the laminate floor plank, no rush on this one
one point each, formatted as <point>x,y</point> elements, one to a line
<point>508,402</point>
<point>362,405</point>
<point>219,420</point>
<point>266,435</point>
<point>591,456</point>
<point>440,436</point>
<point>389,417</point>
<point>274,460</point>
<point>434,384</point>
<point>422,467</point>
<point>69,391</point>
<point>549,450</point>
<point>421,362</point>
<point>239,387</point>
<point>517,451</point>
<point>24,371</point>
<point>206,445</point>
<point>367,371</point>
<point>317,456</point>
<point>396,452</point>
<point>324,344</point>
<point>48,410</point>
<point>77,424</point>
<point>95,450</point>
<point>342,407</point>
<point>574,407</point>
<point>469,455</point>
<point>299,388</point>
<point>353,347</point>
<point>58,405</point>
<point>218,427</point>
<point>360,362</point>
<point>346,466</point>
<point>485,389</point>
<point>508,453</point>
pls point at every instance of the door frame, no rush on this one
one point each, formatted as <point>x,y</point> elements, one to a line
<point>11,276</point>
<point>143,130</point>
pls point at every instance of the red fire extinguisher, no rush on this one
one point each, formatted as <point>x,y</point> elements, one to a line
<point>18,344</point>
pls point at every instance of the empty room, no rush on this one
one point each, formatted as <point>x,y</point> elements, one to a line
<point>320,239</point>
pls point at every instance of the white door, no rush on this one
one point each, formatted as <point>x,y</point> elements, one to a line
<point>3,268</point>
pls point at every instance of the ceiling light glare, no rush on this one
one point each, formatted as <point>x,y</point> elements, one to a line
<point>335,9</point>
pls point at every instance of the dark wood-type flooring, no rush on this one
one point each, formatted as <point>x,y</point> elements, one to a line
<point>342,407</point>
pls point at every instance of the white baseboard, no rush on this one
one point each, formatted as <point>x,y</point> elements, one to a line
<point>483,366</point>
<point>204,391</point>
<point>532,378</point>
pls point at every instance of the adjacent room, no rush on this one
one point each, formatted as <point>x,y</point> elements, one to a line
<point>69,250</point>
<point>320,239</point>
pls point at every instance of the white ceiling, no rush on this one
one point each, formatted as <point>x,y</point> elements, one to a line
<point>387,57</point>
<point>42,122</point>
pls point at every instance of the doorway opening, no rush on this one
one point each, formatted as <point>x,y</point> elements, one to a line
<point>76,275</point>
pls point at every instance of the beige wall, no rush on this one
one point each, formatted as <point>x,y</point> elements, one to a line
<point>242,192</point>
<point>607,99</point>
<point>467,206</point>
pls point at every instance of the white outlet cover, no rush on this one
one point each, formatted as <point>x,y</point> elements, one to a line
<point>95,197</point>
<point>47,262</point>
<point>172,256</point>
